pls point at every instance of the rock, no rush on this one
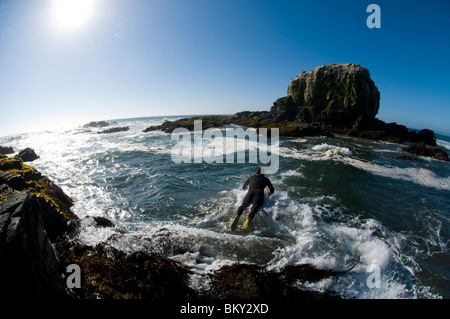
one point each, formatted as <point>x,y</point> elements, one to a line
<point>98,124</point>
<point>33,213</point>
<point>397,130</point>
<point>427,136</point>
<point>210,121</point>
<point>421,150</point>
<point>109,273</point>
<point>27,155</point>
<point>103,222</point>
<point>417,149</point>
<point>10,163</point>
<point>335,94</point>
<point>6,150</point>
<point>29,266</point>
<point>16,182</point>
<point>247,281</point>
<point>439,154</point>
<point>114,130</point>
<point>284,109</point>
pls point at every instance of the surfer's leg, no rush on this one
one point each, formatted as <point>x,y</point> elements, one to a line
<point>241,209</point>
<point>253,211</point>
<point>258,201</point>
<point>245,203</point>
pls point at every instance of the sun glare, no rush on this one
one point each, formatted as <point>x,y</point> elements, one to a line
<point>72,14</point>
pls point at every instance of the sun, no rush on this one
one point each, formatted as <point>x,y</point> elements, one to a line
<point>72,14</point>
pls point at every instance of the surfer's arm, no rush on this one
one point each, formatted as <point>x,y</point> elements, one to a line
<point>271,189</point>
<point>246,183</point>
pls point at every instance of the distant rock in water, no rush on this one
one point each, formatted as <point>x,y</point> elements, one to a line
<point>99,124</point>
<point>421,150</point>
<point>427,136</point>
<point>114,130</point>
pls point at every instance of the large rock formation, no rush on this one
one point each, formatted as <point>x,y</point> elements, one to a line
<point>334,94</point>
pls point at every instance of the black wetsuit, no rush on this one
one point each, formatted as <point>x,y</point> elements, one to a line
<point>255,194</point>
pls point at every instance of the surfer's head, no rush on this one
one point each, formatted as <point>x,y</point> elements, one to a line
<point>259,171</point>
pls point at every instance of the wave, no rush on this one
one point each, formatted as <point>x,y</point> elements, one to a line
<point>417,175</point>
<point>332,150</point>
<point>328,152</point>
<point>442,143</point>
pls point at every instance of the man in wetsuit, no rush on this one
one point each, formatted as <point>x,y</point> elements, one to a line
<point>255,196</point>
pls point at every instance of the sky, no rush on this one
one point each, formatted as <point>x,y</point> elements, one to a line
<point>141,58</point>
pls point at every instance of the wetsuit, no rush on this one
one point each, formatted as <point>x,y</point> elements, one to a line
<point>255,194</point>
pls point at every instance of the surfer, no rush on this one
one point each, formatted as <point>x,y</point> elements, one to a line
<point>255,196</point>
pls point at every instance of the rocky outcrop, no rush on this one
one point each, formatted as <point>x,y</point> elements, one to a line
<point>4,150</point>
<point>114,130</point>
<point>109,273</point>
<point>188,123</point>
<point>29,264</point>
<point>27,155</point>
<point>33,213</point>
<point>98,124</point>
<point>420,149</point>
<point>334,94</point>
<point>248,281</point>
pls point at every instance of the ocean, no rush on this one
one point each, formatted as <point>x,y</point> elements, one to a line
<point>340,203</point>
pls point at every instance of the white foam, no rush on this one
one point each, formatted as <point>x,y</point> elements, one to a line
<point>331,150</point>
<point>322,152</point>
<point>338,246</point>
<point>443,143</point>
<point>292,172</point>
<point>416,175</point>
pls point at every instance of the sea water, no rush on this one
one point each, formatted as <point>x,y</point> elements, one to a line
<point>340,203</point>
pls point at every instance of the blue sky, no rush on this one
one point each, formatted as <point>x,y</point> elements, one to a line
<point>137,58</point>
